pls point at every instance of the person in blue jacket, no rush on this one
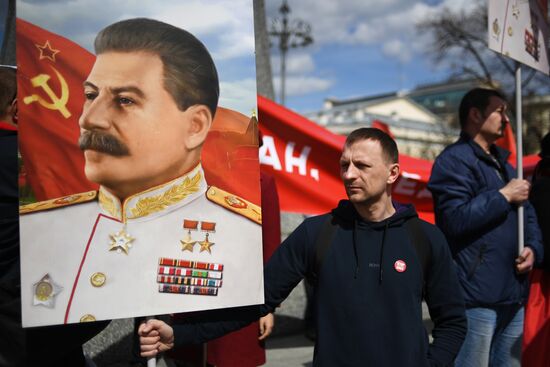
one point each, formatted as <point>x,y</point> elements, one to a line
<point>476,199</point>
<point>370,284</point>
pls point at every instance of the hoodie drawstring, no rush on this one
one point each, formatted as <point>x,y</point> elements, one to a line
<point>382,253</point>
<point>355,249</point>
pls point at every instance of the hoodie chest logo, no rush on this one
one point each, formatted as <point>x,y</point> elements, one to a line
<point>400,266</point>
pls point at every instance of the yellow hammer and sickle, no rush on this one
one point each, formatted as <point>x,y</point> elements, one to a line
<point>57,103</point>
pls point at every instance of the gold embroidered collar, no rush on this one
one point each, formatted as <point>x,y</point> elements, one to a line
<point>154,200</point>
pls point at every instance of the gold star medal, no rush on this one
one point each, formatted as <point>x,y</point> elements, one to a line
<point>187,243</point>
<point>121,241</point>
<point>45,291</point>
<point>207,227</point>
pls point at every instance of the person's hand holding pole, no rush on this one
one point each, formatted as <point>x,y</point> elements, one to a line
<point>155,337</point>
<point>516,191</point>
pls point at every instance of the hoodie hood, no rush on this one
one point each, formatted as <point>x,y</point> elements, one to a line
<point>347,215</point>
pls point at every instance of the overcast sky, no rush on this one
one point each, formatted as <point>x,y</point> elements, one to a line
<point>225,26</point>
<point>361,47</point>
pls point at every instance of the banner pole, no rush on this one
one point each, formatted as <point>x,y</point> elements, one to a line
<point>519,148</point>
<point>151,361</point>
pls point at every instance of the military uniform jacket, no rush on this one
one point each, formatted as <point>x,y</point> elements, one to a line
<point>177,247</point>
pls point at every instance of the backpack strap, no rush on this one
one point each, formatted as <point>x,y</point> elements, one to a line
<point>423,247</point>
<point>322,244</point>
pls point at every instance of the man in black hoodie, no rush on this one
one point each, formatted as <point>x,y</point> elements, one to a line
<point>370,280</point>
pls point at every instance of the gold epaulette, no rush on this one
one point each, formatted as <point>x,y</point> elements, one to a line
<point>235,204</point>
<point>58,203</point>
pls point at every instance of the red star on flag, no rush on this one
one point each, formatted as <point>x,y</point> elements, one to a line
<point>46,51</point>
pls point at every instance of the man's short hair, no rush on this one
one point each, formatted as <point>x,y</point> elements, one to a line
<point>476,98</point>
<point>8,89</point>
<point>190,75</point>
<point>389,147</point>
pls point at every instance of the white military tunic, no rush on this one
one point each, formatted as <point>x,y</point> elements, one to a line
<point>68,249</point>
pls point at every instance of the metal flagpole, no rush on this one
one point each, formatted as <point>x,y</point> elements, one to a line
<point>519,148</point>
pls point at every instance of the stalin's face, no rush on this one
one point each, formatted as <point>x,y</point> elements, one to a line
<point>133,135</point>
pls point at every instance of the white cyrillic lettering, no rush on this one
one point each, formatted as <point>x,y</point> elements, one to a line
<point>268,153</point>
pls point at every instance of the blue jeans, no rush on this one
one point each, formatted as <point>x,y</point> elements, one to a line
<point>493,338</point>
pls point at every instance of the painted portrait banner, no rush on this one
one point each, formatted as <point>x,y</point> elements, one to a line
<point>139,145</point>
<point>519,29</point>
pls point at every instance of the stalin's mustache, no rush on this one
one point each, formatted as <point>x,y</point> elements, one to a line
<point>103,143</point>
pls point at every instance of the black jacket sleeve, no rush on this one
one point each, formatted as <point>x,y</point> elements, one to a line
<point>445,303</point>
<point>285,269</point>
<point>204,326</point>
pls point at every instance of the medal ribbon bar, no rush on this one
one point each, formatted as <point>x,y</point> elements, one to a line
<point>190,264</point>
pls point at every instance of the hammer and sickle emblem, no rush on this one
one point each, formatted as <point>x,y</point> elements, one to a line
<point>57,103</point>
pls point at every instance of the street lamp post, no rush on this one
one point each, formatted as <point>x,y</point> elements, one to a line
<point>293,34</point>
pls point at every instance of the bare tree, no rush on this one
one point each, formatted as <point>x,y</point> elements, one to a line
<point>459,39</point>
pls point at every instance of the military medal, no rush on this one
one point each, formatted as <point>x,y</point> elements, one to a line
<point>189,277</point>
<point>187,243</point>
<point>45,292</point>
<point>98,279</point>
<point>87,318</point>
<point>120,241</point>
<point>206,244</point>
<point>515,11</point>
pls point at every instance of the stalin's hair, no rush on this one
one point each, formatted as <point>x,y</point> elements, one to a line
<point>477,98</point>
<point>8,89</point>
<point>190,75</point>
<point>389,147</point>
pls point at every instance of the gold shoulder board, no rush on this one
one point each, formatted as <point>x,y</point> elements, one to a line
<point>58,203</point>
<point>235,204</point>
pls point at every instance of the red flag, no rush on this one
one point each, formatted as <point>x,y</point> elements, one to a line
<point>50,73</point>
<point>508,142</point>
<point>50,76</point>
<point>536,329</point>
<point>382,126</point>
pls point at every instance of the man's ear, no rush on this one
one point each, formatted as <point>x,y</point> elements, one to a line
<point>12,110</point>
<point>394,173</point>
<point>200,120</point>
<point>476,116</point>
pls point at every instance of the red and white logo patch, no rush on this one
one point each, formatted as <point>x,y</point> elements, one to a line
<point>400,266</point>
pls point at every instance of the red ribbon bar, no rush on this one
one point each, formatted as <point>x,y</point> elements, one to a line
<point>163,261</point>
<point>208,226</point>
<point>190,224</point>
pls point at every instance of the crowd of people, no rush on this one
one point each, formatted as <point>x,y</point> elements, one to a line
<point>371,261</point>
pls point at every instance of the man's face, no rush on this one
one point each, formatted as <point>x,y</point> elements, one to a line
<point>132,132</point>
<point>366,172</point>
<point>495,119</point>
